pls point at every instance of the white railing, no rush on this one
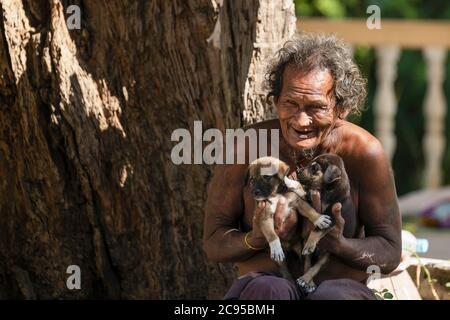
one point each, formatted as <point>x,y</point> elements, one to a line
<point>433,38</point>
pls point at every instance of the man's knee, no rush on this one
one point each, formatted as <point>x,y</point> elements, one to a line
<point>269,288</point>
<point>342,289</point>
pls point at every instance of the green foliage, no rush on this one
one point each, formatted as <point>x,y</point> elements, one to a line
<point>410,86</point>
<point>398,9</point>
<point>383,295</point>
<point>330,8</point>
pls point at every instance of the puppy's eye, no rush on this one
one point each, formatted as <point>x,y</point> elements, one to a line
<point>315,167</point>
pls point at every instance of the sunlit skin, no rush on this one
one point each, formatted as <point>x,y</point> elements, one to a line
<point>308,119</point>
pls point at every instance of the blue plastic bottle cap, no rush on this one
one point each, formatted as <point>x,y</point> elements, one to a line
<point>422,245</point>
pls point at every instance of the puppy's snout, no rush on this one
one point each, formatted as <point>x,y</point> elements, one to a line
<point>261,189</point>
<point>258,193</point>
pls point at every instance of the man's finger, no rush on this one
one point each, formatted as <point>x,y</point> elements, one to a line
<point>279,212</point>
<point>288,228</point>
<point>337,214</point>
<point>315,197</point>
<point>260,206</point>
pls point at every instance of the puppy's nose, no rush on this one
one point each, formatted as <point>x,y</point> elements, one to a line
<point>257,193</point>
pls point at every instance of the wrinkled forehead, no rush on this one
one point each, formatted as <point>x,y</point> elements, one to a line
<point>315,83</point>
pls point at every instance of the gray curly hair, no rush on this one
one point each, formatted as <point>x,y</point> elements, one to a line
<point>308,51</point>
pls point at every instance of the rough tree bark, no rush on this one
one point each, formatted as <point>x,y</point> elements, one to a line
<point>86,118</point>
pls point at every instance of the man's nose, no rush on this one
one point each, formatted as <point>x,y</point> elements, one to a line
<point>303,119</point>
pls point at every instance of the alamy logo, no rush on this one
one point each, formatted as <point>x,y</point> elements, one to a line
<point>373,21</point>
<point>375,273</point>
<point>74,280</point>
<point>74,20</point>
<point>237,144</point>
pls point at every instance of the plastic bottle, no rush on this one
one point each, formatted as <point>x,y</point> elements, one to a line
<point>411,244</point>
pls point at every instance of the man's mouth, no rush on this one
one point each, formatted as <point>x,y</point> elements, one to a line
<point>304,133</point>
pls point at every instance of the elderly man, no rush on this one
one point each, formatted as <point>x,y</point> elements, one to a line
<point>315,85</point>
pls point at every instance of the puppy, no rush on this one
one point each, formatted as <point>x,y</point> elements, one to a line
<point>327,175</point>
<point>268,180</point>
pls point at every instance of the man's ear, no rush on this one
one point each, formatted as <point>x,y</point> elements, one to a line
<point>342,114</point>
<point>332,174</point>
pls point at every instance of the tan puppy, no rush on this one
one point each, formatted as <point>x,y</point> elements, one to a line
<point>268,180</point>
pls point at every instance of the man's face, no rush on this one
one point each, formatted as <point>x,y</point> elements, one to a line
<point>305,107</point>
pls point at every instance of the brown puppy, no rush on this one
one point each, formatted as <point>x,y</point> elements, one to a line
<point>327,175</point>
<point>269,182</point>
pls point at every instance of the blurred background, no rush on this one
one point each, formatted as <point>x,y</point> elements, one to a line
<point>407,111</point>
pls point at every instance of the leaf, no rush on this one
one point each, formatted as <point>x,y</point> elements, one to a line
<point>388,295</point>
<point>385,290</point>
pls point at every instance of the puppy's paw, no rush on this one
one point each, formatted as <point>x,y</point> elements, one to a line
<point>292,184</point>
<point>308,249</point>
<point>276,251</point>
<point>323,222</point>
<point>305,288</point>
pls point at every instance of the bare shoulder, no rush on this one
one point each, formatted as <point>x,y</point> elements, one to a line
<point>359,144</point>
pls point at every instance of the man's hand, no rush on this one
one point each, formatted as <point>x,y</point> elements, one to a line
<point>259,210</point>
<point>257,238</point>
<point>335,237</point>
<point>285,229</point>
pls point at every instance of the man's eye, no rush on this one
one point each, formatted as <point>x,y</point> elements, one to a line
<point>267,178</point>
<point>292,102</point>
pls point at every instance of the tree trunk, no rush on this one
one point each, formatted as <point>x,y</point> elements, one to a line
<point>86,118</point>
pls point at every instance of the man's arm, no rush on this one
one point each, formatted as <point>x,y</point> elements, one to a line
<point>222,242</point>
<point>378,212</point>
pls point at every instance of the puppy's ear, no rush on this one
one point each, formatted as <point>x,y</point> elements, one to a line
<point>283,170</point>
<point>286,172</point>
<point>332,174</point>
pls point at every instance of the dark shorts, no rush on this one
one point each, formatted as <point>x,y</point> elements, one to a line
<point>267,286</point>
